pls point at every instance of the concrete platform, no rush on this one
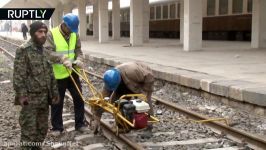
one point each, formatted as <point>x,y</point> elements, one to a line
<point>229,69</point>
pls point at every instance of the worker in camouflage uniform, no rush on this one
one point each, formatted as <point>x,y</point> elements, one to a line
<point>35,87</point>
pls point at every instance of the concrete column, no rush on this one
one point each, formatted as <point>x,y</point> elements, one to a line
<point>82,19</point>
<point>136,22</point>
<point>67,9</point>
<point>258,39</point>
<point>57,16</point>
<point>116,19</point>
<point>146,21</point>
<point>103,21</point>
<point>95,19</point>
<point>181,21</point>
<point>192,25</point>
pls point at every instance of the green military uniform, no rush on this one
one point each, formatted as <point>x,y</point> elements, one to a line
<point>33,78</point>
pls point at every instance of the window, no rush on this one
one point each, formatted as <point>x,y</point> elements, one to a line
<point>88,19</point>
<point>110,16</point>
<point>211,7</point>
<point>165,12</point>
<point>179,10</point>
<point>122,16</point>
<point>152,10</point>
<point>237,6</point>
<point>158,12</point>
<point>223,7</point>
<point>172,11</point>
<point>250,4</point>
<point>126,16</point>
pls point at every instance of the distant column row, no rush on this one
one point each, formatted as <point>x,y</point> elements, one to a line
<point>191,18</point>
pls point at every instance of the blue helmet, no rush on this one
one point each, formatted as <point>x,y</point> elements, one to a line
<point>112,79</point>
<point>72,22</point>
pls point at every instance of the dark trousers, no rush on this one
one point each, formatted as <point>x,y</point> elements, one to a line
<point>56,110</point>
<point>24,35</point>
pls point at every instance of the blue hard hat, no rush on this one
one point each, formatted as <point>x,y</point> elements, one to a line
<point>112,79</point>
<point>72,22</point>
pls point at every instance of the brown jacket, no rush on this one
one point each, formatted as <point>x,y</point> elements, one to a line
<point>137,77</point>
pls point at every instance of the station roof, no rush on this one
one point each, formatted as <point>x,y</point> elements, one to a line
<point>55,3</point>
<point>39,3</point>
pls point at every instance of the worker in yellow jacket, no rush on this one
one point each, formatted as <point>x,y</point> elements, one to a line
<point>64,48</point>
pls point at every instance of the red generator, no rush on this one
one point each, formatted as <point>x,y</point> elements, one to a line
<point>136,112</point>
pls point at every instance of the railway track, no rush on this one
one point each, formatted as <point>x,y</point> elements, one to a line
<point>234,134</point>
<point>175,131</point>
<point>108,131</point>
<point>8,48</point>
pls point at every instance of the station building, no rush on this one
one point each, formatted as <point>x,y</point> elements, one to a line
<point>191,21</point>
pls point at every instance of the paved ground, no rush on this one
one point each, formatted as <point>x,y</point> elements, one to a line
<point>234,60</point>
<point>228,69</point>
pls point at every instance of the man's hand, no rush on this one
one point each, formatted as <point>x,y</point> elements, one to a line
<point>23,100</point>
<point>66,62</point>
<point>79,63</point>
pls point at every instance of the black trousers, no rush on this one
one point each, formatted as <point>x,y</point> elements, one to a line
<point>56,110</point>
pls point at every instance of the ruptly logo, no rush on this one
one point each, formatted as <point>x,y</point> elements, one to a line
<point>26,13</point>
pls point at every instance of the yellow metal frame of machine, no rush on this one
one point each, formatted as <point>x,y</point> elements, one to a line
<point>97,101</point>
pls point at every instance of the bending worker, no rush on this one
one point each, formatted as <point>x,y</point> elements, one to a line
<point>35,87</point>
<point>64,47</point>
<point>127,78</point>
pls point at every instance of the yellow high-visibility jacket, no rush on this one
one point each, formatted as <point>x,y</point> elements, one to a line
<point>67,49</point>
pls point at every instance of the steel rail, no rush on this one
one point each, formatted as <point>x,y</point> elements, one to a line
<point>1,38</point>
<point>7,53</point>
<point>234,134</point>
<point>122,137</point>
<point>132,144</point>
<point>240,136</point>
